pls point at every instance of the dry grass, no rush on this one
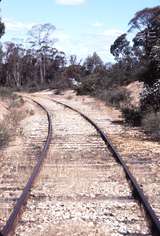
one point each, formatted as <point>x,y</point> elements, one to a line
<point>4,134</point>
<point>8,127</point>
<point>16,101</point>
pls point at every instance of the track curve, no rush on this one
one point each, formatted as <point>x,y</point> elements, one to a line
<point>9,226</point>
<point>137,191</point>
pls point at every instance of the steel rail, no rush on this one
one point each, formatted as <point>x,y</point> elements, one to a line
<point>136,190</point>
<point>9,226</point>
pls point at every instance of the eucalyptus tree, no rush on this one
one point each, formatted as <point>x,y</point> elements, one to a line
<point>74,69</point>
<point>41,38</point>
<point>12,61</point>
<point>92,63</point>
<point>147,41</point>
<point>144,55</point>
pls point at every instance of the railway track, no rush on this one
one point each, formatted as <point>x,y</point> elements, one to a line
<point>17,195</point>
<point>78,190</point>
<point>136,189</point>
<point>140,154</point>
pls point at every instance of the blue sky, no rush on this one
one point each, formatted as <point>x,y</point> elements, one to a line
<point>82,26</point>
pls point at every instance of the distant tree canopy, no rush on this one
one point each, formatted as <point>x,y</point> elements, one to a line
<point>35,66</point>
<point>42,64</point>
<point>93,62</point>
<point>120,48</point>
<point>144,55</point>
<point>42,35</point>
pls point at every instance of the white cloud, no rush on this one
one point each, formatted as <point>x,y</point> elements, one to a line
<point>82,44</point>
<point>112,32</point>
<point>98,24</point>
<point>87,43</point>
<point>12,25</point>
<point>61,35</point>
<point>70,2</point>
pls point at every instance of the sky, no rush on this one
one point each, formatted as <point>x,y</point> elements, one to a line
<point>82,26</point>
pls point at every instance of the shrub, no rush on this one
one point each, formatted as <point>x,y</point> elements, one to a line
<point>87,86</point>
<point>147,114</point>
<point>16,101</point>
<point>132,115</point>
<point>151,124</point>
<point>60,83</point>
<point>150,98</point>
<point>94,85</point>
<point>9,124</point>
<point>117,97</point>
<point>4,134</point>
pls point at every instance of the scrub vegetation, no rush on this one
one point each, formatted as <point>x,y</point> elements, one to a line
<point>41,66</point>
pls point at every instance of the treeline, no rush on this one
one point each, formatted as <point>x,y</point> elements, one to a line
<point>32,66</point>
<point>39,65</point>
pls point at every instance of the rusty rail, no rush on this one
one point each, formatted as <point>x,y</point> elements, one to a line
<point>9,227</point>
<point>136,190</point>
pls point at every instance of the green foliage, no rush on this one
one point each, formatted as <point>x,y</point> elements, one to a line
<point>143,56</point>
<point>87,86</point>
<point>148,113</point>
<point>132,115</point>
<point>150,98</point>
<point>120,47</point>
<point>117,97</point>
<point>93,63</point>
<point>93,85</point>
<point>2,29</point>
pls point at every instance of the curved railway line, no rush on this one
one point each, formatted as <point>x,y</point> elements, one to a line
<point>137,191</point>
<point>9,226</point>
<point>98,167</point>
